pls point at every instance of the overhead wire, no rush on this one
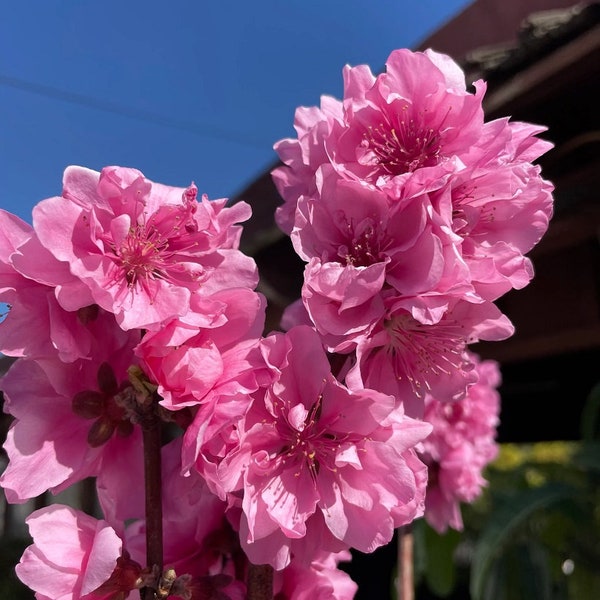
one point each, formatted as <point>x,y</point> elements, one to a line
<point>194,127</point>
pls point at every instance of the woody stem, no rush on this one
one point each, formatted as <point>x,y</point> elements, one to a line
<point>259,582</point>
<point>151,435</point>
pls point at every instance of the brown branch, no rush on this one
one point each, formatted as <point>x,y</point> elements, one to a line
<point>151,432</point>
<point>260,582</point>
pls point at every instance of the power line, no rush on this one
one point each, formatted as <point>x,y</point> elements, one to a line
<point>127,111</point>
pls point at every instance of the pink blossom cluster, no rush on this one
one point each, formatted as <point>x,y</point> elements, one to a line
<point>126,293</point>
<point>111,262</point>
<point>413,215</point>
<point>131,304</point>
<point>461,444</point>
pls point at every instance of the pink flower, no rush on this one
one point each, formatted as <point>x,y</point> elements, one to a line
<point>354,225</point>
<point>303,156</point>
<point>416,127</point>
<point>321,580</point>
<point>362,248</point>
<point>421,350</point>
<point>319,465</point>
<point>141,249</point>
<point>210,371</point>
<point>71,421</point>
<point>190,364</point>
<point>500,206</point>
<point>36,326</point>
<point>343,302</point>
<point>75,557</point>
<point>461,444</point>
<point>417,115</point>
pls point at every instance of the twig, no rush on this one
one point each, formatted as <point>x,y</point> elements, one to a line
<point>260,582</point>
<point>405,583</point>
<point>151,432</point>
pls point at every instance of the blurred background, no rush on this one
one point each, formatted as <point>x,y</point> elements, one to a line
<point>200,91</point>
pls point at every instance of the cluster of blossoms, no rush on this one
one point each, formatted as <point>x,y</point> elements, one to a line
<point>461,444</point>
<point>133,311</point>
<point>413,216</point>
<point>130,303</point>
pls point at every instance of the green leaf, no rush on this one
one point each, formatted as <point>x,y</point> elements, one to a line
<point>583,583</point>
<point>587,456</point>
<point>440,571</point>
<point>590,416</point>
<point>503,524</point>
<point>521,573</point>
<point>420,549</point>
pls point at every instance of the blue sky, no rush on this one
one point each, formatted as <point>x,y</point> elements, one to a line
<point>182,90</point>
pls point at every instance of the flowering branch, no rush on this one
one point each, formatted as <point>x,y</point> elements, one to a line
<point>413,216</point>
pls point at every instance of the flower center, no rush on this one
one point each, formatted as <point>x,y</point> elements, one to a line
<point>311,446</point>
<point>141,255</point>
<point>364,245</point>
<point>472,210</point>
<point>363,249</point>
<point>161,246</point>
<point>400,144</point>
<point>423,352</point>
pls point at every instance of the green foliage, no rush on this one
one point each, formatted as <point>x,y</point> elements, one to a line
<point>521,564</point>
<point>590,417</point>
<point>520,572</point>
<point>435,558</point>
<point>533,534</point>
